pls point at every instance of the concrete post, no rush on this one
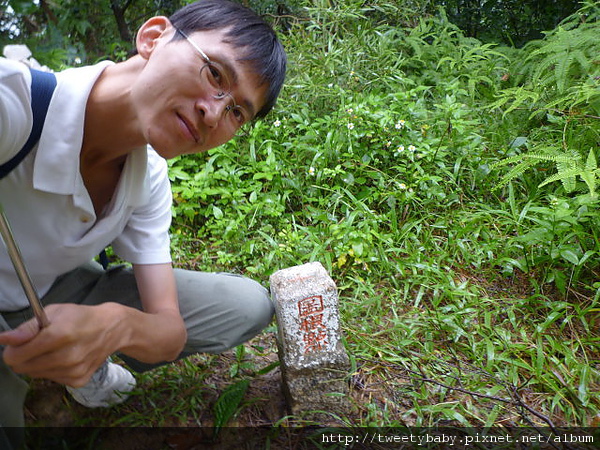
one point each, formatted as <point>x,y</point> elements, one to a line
<point>314,362</point>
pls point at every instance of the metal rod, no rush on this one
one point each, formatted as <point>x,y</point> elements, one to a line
<point>19,265</point>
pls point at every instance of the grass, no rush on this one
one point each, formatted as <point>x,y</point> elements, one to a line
<point>455,351</point>
<point>463,303</point>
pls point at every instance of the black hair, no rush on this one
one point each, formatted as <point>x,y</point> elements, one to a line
<point>245,29</point>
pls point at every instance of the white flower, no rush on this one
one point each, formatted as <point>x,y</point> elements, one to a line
<point>400,124</point>
<point>399,150</point>
<point>277,123</point>
<point>77,60</point>
<point>412,148</point>
<point>311,171</point>
<point>350,126</point>
<point>402,186</point>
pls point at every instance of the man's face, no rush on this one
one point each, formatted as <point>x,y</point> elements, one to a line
<point>178,108</point>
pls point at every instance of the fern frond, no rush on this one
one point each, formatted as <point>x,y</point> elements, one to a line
<point>507,161</point>
<point>569,183</point>
<point>561,73</point>
<point>522,95</point>
<point>515,172</point>
<point>563,56</point>
<point>591,164</point>
<point>565,174</point>
<point>584,62</point>
<point>557,158</point>
<point>548,64</point>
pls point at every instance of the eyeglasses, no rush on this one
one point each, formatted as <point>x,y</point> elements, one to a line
<point>214,79</point>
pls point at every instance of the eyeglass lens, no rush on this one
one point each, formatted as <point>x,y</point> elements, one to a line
<point>214,77</point>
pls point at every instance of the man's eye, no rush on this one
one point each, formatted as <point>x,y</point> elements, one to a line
<point>216,76</point>
<point>239,114</point>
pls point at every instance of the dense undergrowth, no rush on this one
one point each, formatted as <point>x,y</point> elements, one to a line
<point>449,187</point>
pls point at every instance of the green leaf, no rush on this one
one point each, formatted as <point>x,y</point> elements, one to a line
<point>217,212</point>
<point>491,352</point>
<point>228,402</point>
<point>518,142</point>
<point>570,256</point>
<point>591,163</point>
<point>268,368</point>
<point>252,197</point>
<point>586,256</point>
<point>583,392</point>
<point>263,176</point>
<point>358,249</point>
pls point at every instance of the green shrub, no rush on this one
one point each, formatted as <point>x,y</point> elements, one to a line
<point>377,161</point>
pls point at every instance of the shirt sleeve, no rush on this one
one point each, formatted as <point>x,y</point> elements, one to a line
<point>145,239</point>
<point>15,111</point>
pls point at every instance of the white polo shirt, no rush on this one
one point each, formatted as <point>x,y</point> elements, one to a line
<point>45,199</point>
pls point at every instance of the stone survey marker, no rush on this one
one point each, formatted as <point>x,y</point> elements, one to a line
<point>314,363</point>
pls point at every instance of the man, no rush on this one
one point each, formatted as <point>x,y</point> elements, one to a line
<point>98,177</point>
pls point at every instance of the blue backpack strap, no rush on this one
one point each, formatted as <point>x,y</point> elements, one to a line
<point>42,88</point>
<point>103,259</point>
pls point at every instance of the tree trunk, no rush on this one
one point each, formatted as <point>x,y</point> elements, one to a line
<point>119,13</point>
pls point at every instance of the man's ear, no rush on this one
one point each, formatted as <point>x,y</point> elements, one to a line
<point>150,34</point>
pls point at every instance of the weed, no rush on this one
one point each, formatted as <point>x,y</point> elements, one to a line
<point>461,305</point>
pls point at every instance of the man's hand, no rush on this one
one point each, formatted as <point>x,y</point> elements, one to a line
<point>80,338</point>
<point>68,351</point>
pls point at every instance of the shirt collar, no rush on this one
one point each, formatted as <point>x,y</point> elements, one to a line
<point>56,167</point>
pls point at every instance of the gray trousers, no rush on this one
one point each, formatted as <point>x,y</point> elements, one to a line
<point>220,311</point>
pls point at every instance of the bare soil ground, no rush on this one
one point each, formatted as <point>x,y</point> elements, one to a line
<point>54,420</point>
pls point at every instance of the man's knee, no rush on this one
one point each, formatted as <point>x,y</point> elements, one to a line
<point>222,310</point>
<point>253,301</point>
<point>249,306</point>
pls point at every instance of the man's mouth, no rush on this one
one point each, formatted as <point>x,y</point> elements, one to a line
<point>188,129</point>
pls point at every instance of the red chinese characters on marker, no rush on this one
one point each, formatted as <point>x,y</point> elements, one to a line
<point>314,331</point>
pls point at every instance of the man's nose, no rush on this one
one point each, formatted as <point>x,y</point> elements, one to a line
<point>213,109</point>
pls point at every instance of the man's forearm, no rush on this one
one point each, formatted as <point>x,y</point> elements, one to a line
<point>149,337</point>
